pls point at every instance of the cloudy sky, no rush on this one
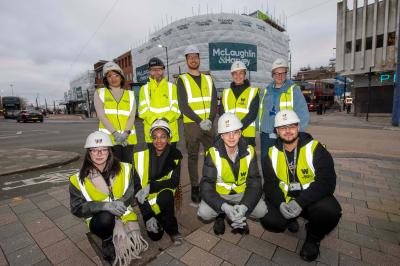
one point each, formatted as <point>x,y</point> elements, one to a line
<point>45,43</point>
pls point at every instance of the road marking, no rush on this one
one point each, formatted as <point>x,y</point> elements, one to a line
<point>26,133</point>
<point>52,177</point>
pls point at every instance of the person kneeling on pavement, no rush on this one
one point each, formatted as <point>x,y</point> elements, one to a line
<point>157,175</point>
<point>101,193</point>
<point>300,179</point>
<point>231,184</point>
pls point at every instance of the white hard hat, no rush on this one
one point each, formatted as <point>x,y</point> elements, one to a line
<point>98,139</point>
<point>159,123</point>
<point>228,122</point>
<point>286,117</point>
<point>111,66</point>
<point>279,63</point>
<point>238,65</point>
<point>191,49</point>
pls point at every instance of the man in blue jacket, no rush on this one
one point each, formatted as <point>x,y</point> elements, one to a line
<point>281,94</point>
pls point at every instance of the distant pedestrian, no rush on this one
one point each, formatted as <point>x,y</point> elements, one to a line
<point>116,108</point>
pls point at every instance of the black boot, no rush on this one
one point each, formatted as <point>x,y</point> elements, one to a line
<point>243,231</point>
<point>310,249</point>
<point>196,194</point>
<point>219,224</point>
<point>293,226</point>
<point>108,249</point>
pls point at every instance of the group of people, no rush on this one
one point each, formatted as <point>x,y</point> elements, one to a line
<point>298,172</point>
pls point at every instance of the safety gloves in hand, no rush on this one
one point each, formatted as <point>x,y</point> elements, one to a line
<point>152,225</point>
<point>290,210</point>
<point>230,211</point>
<point>117,207</point>
<point>206,124</point>
<point>142,194</point>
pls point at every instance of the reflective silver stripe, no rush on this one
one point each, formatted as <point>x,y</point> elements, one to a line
<point>126,177</point>
<point>220,182</point>
<point>305,186</point>
<point>261,109</point>
<point>199,112</point>
<point>226,99</point>
<point>199,99</point>
<point>170,93</point>
<point>153,201</point>
<point>241,110</point>
<point>285,187</point>
<point>116,112</point>
<point>187,86</point>
<point>142,102</point>
<point>274,158</point>
<point>252,91</point>
<point>101,94</point>
<point>310,156</point>
<point>189,90</point>
<point>146,94</point>
<point>85,193</point>
<point>141,166</point>
<point>159,110</point>
<point>131,101</point>
<point>209,81</point>
<point>286,104</point>
<point>248,158</point>
<point>144,110</point>
<point>176,110</point>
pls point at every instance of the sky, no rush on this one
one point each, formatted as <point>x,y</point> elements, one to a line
<point>45,43</point>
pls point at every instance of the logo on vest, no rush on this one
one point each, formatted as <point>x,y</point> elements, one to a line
<point>243,174</point>
<point>305,173</point>
<point>242,101</point>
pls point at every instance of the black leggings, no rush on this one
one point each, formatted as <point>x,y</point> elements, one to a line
<point>124,154</point>
<point>102,224</point>
<point>166,218</point>
<point>322,216</point>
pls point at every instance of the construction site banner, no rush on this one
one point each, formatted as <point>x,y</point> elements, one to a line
<point>223,54</point>
<point>142,73</point>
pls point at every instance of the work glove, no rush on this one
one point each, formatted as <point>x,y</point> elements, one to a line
<point>230,211</point>
<point>209,124</point>
<point>239,223</point>
<point>117,207</point>
<point>290,210</point>
<point>142,194</point>
<point>119,137</point>
<point>152,225</point>
<point>205,125</point>
<point>241,210</point>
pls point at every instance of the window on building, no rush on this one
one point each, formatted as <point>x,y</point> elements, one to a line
<point>391,38</point>
<point>379,40</point>
<point>368,43</point>
<point>347,48</point>
<point>358,45</point>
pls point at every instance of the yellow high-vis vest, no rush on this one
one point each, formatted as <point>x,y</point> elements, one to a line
<point>285,102</point>
<point>118,113</point>
<point>240,106</point>
<point>305,170</point>
<point>199,99</point>
<point>159,101</point>
<point>226,181</point>
<point>119,187</point>
<point>142,164</point>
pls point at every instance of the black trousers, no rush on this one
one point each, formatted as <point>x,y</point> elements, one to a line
<point>124,154</point>
<point>322,216</point>
<point>102,224</point>
<point>166,218</point>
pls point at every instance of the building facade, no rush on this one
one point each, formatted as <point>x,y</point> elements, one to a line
<point>366,49</point>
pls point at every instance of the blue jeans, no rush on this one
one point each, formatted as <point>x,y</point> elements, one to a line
<point>266,142</point>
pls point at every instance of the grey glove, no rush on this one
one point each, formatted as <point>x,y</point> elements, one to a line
<point>117,207</point>
<point>118,137</point>
<point>152,225</point>
<point>230,211</point>
<point>124,135</point>
<point>204,125</point>
<point>239,223</point>
<point>241,210</point>
<point>290,210</point>
<point>208,124</point>
<point>142,194</point>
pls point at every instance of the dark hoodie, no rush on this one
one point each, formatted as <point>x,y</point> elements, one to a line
<point>253,110</point>
<point>159,166</point>
<point>253,192</point>
<point>325,176</point>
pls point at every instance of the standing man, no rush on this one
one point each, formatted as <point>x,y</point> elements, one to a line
<point>281,94</point>
<point>242,100</point>
<point>231,184</point>
<point>197,98</point>
<point>158,100</point>
<point>299,180</point>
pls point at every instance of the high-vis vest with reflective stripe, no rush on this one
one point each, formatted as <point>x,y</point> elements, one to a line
<point>117,113</point>
<point>305,170</point>
<point>227,183</point>
<point>159,101</point>
<point>119,187</point>
<point>285,102</point>
<point>142,164</point>
<point>199,99</point>
<point>240,106</point>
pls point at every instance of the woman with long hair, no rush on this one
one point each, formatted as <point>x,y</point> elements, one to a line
<point>116,109</point>
<point>102,193</point>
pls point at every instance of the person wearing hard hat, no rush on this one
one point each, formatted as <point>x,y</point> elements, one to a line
<point>116,108</point>
<point>197,99</point>
<point>280,94</point>
<point>156,179</point>
<point>242,100</point>
<point>101,192</point>
<point>299,180</point>
<point>231,184</point>
<point>158,100</point>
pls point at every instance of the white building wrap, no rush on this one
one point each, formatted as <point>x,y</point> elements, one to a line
<point>222,39</point>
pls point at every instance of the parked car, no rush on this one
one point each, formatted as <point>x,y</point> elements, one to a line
<point>29,115</point>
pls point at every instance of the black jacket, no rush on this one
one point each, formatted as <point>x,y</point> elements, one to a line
<point>323,185</point>
<point>253,191</point>
<point>254,105</point>
<point>159,166</point>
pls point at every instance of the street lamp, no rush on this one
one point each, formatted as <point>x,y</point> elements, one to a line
<point>166,53</point>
